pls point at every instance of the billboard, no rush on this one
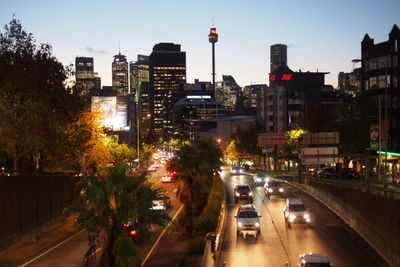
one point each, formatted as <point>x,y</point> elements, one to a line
<point>113,111</point>
<point>319,155</point>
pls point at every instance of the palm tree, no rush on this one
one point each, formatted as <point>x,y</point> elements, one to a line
<point>195,165</point>
<point>106,204</point>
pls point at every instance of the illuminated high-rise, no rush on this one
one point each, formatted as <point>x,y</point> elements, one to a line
<point>139,85</point>
<point>167,71</point>
<point>120,75</point>
<point>85,77</point>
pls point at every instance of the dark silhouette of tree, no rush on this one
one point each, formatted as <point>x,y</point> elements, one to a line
<point>33,101</point>
<point>196,165</point>
<point>106,204</point>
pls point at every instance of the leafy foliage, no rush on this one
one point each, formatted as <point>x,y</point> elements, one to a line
<point>34,105</point>
<point>196,165</point>
<point>107,203</point>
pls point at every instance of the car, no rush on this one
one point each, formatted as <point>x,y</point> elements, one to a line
<point>131,228</point>
<point>247,221</point>
<point>166,178</point>
<point>314,260</point>
<point>273,187</point>
<point>296,212</point>
<point>236,170</point>
<point>243,192</point>
<point>326,173</point>
<point>260,178</point>
<point>161,202</point>
<point>151,169</point>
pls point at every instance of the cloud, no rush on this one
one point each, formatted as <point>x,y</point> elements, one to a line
<point>94,51</point>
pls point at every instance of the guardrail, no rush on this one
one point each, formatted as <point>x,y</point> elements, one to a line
<point>212,248</point>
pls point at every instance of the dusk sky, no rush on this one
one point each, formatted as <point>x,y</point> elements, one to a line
<point>320,34</point>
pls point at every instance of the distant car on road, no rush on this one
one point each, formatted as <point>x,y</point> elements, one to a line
<point>161,202</point>
<point>326,173</point>
<point>273,187</point>
<point>236,170</point>
<point>151,169</point>
<point>247,221</point>
<point>314,260</point>
<point>260,178</point>
<point>243,192</point>
<point>166,178</point>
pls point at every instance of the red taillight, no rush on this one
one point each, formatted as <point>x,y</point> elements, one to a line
<point>133,232</point>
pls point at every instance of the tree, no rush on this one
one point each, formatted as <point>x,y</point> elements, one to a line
<point>244,143</point>
<point>106,204</point>
<point>196,165</point>
<point>33,101</point>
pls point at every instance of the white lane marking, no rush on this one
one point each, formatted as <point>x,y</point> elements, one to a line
<point>51,249</point>
<point>159,237</point>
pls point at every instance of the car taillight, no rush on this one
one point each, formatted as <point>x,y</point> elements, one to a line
<point>133,232</point>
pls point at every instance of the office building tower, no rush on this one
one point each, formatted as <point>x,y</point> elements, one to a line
<point>120,74</point>
<point>85,77</point>
<point>139,87</point>
<point>278,56</point>
<point>167,71</point>
<point>380,71</point>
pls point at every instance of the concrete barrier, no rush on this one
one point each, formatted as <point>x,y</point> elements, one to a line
<point>374,217</point>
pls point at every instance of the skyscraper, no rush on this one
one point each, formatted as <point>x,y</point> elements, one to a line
<point>140,75</point>
<point>278,56</point>
<point>167,71</point>
<point>85,77</point>
<point>120,75</point>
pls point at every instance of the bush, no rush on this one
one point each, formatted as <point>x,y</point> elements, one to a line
<point>208,220</point>
<point>196,245</point>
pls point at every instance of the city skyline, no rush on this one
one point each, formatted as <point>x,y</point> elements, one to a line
<point>319,36</point>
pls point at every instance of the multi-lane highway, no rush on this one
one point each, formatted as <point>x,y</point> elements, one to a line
<point>279,245</point>
<point>70,252</point>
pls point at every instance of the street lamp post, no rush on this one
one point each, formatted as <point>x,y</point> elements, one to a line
<point>386,119</point>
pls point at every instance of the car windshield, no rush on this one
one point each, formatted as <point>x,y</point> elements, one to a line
<point>260,175</point>
<point>243,189</point>
<point>297,207</point>
<point>160,198</point>
<point>248,214</point>
<point>274,184</point>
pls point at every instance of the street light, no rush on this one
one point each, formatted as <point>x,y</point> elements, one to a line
<point>386,115</point>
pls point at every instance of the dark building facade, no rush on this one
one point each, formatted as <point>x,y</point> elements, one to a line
<point>350,82</point>
<point>85,77</point>
<point>380,78</point>
<point>120,75</point>
<point>297,99</point>
<point>167,71</point>
<point>278,56</point>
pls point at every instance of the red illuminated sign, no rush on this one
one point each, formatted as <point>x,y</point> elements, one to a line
<point>284,77</point>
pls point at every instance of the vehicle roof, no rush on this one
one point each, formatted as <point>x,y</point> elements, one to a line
<point>294,201</point>
<point>247,207</point>
<point>242,185</point>
<point>315,258</point>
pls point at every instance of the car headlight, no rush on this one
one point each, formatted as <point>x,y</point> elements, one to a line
<point>281,190</point>
<point>270,190</point>
<point>257,224</point>
<point>250,194</point>
<point>239,224</point>
<point>241,171</point>
<point>292,216</point>
<point>258,179</point>
<point>306,216</point>
<point>233,171</point>
<point>237,194</point>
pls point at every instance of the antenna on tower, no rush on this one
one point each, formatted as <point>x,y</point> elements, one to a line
<point>119,47</point>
